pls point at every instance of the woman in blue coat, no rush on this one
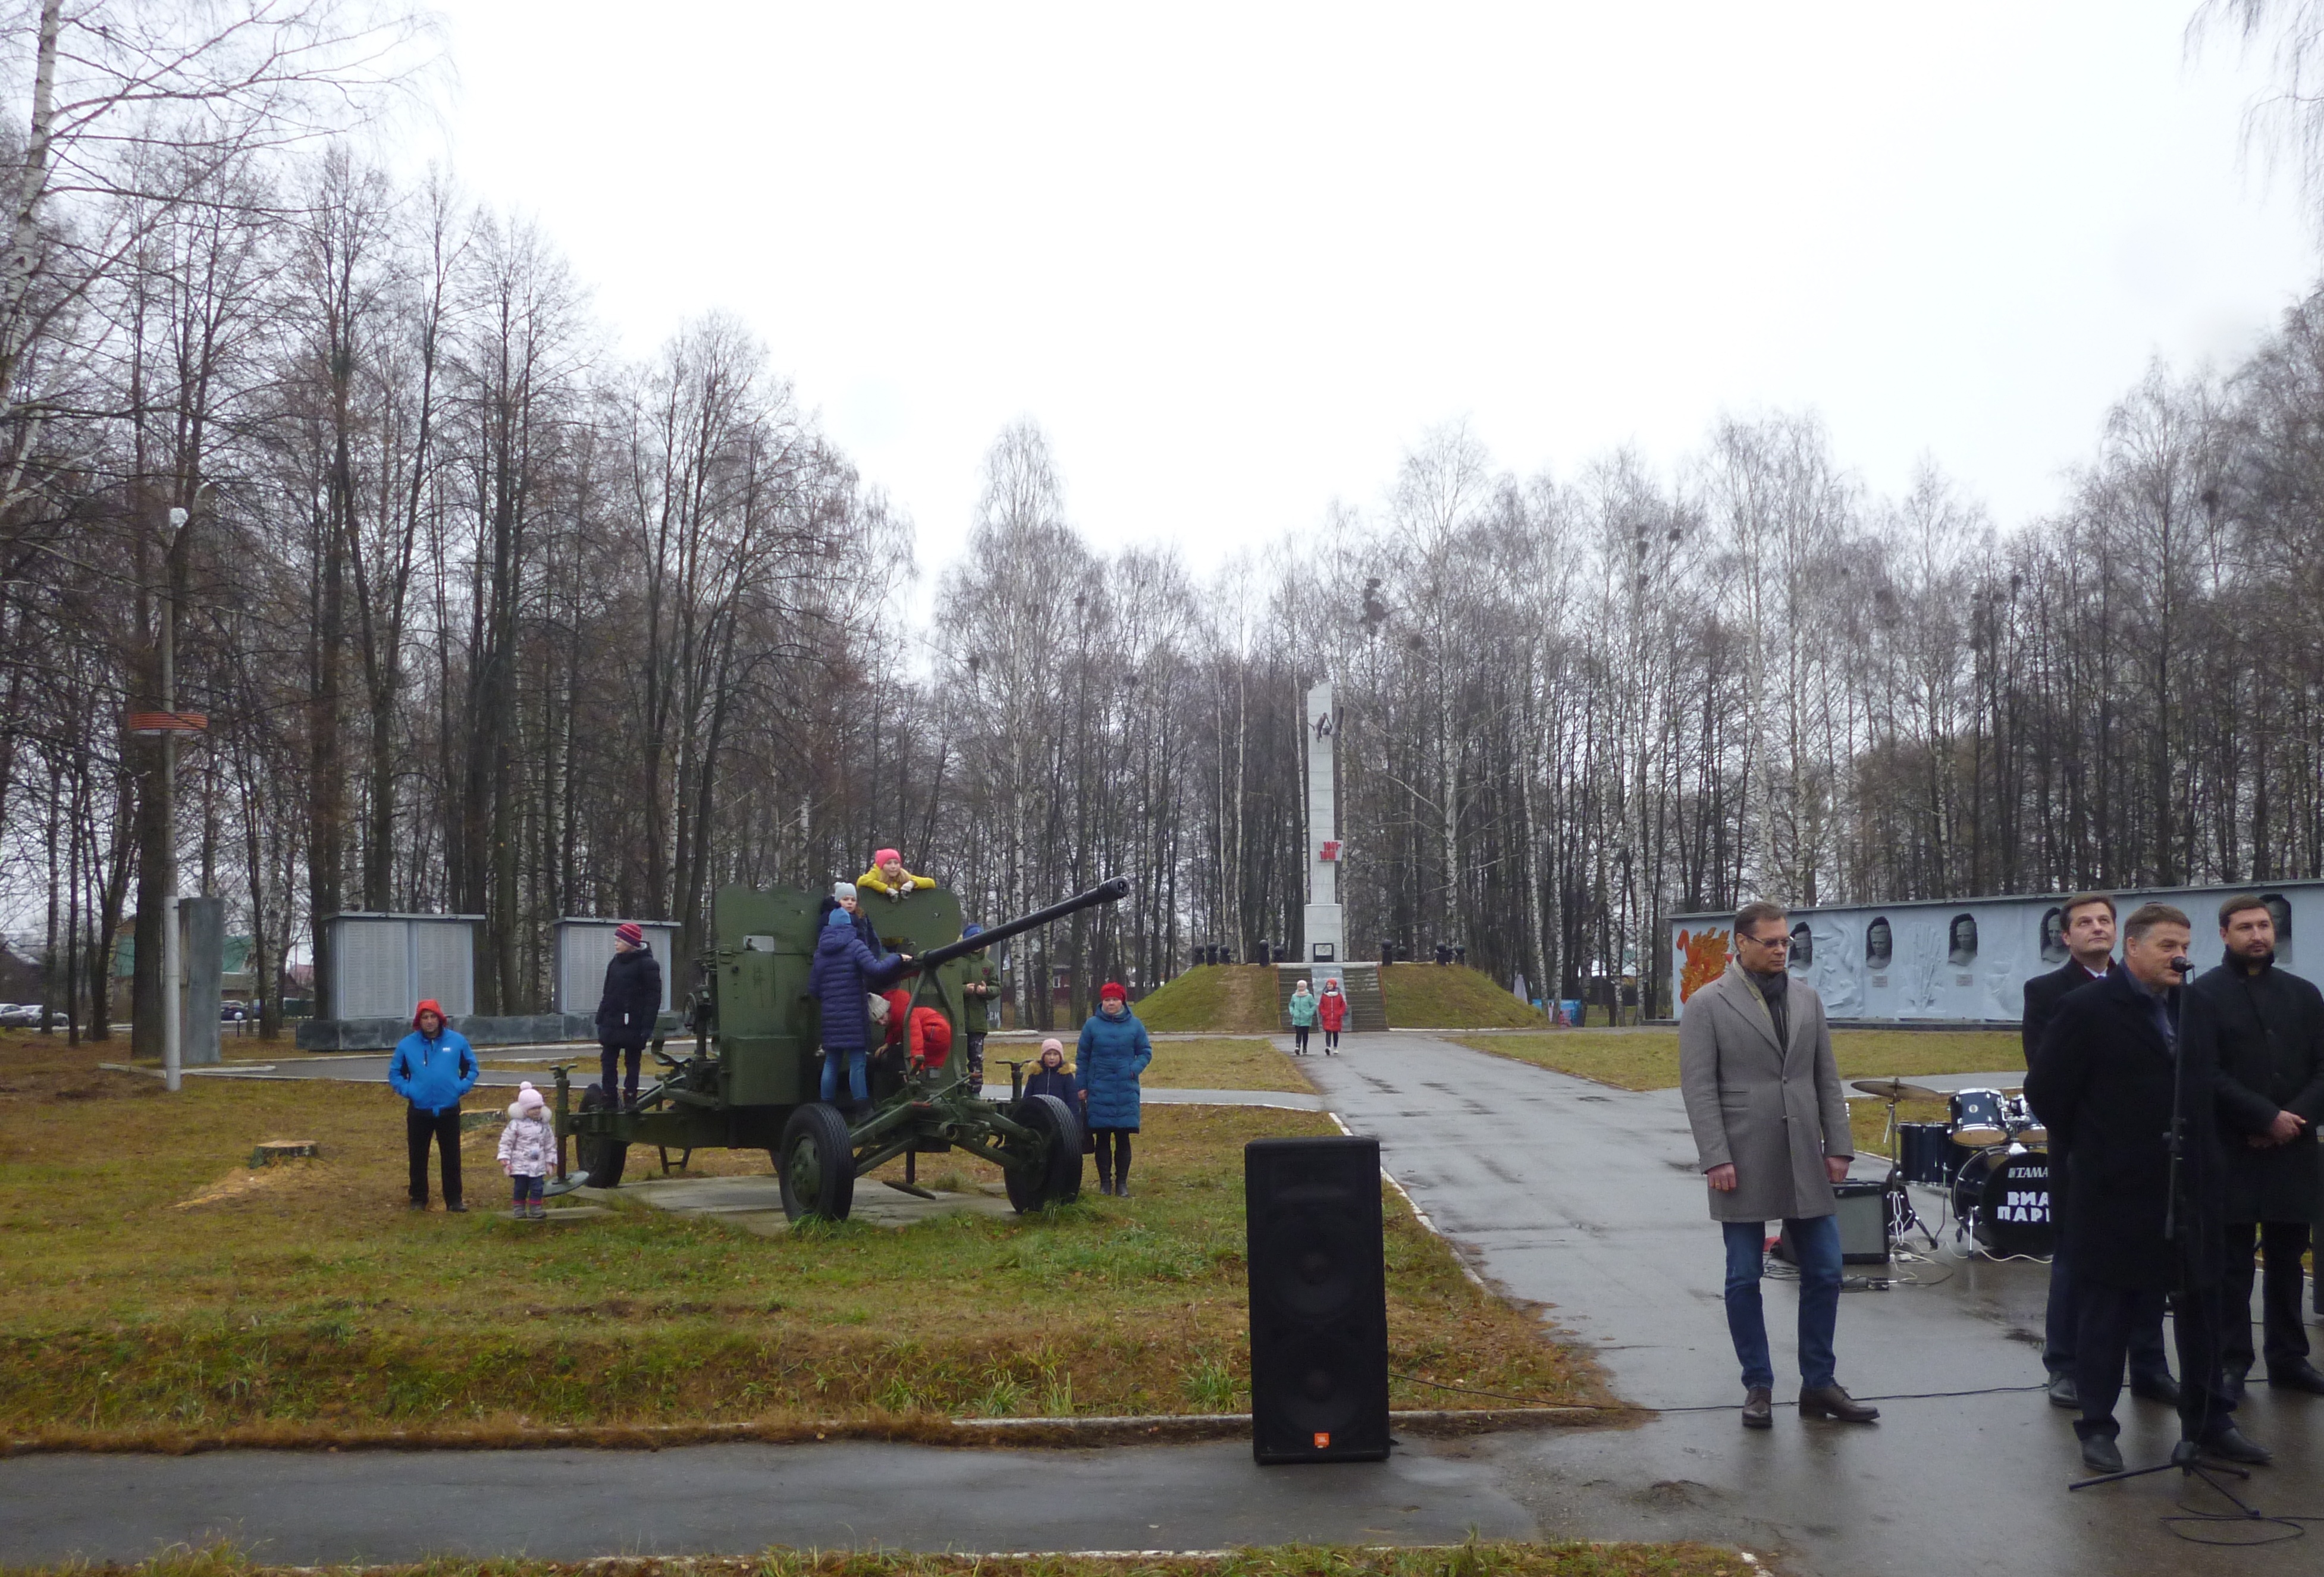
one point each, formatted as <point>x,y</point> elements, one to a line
<point>843,975</point>
<point>1114,1050</point>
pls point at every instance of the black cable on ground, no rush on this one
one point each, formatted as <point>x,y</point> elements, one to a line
<point>1700,1407</point>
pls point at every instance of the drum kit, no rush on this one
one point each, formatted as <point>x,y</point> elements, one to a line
<point>1990,1155</point>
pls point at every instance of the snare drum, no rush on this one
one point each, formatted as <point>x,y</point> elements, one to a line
<point>1977,1118</point>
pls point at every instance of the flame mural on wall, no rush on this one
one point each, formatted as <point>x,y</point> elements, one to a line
<point>1701,959</point>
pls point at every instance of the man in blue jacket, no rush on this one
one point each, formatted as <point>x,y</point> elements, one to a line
<point>843,973</point>
<point>432,1068</point>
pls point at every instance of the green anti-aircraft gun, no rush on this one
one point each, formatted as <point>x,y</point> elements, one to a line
<point>753,1077</point>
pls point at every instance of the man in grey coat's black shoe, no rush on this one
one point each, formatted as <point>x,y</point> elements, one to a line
<point>1770,1129</point>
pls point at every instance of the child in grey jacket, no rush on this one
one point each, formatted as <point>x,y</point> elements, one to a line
<point>529,1151</point>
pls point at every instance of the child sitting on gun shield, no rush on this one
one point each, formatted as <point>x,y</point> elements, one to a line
<point>888,878</point>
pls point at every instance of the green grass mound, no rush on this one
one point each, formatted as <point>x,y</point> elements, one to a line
<point>1430,996</point>
<point>1226,999</point>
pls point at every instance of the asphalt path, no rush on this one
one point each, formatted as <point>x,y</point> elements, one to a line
<point>1582,1199</point>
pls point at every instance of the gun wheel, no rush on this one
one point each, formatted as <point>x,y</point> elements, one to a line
<point>816,1165</point>
<point>600,1158</point>
<point>1050,1173</point>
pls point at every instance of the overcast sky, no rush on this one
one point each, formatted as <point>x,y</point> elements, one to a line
<point>1235,260</point>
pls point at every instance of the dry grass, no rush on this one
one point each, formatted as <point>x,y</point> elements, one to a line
<point>1213,1063</point>
<point>1224,1065</point>
<point>1224,998</point>
<point>1451,996</point>
<point>319,1307</point>
<point>1647,1059</point>
<point>1474,1559</point>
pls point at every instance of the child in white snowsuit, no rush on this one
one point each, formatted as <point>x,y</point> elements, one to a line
<point>529,1151</point>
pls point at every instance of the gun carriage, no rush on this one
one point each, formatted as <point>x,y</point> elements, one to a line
<point>752,1079</point>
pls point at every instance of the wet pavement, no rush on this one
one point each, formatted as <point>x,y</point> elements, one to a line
<point>311,1508</point>
<point>1586,1199</point>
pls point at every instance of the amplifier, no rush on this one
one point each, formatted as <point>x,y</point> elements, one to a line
<point>1863,1225</point>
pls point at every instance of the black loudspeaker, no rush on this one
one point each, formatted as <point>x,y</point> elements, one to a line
<point>1318,1300</point>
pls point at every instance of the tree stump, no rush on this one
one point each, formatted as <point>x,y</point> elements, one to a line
<point>271,1150</point>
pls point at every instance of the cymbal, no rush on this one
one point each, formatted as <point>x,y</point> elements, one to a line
<point>1896,1090</point>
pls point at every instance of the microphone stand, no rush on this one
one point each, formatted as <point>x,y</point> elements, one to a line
<point>2186,1455</point>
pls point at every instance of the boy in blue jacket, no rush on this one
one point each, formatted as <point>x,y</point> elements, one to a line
<point>432,1068</point>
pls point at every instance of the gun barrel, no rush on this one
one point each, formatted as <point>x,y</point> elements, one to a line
<point>1112,890</point>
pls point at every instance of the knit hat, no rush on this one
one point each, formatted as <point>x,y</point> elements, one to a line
<point>1053,1043</point>
<point>836,919</point>
<point>877,1006</point>
<point>1112,992</point>
<point>429,1005</point>
<point>529,1097</point>
<point>842,890</point>
<point>883,856</point>
<point>971,929</point>
<point>631,932</point>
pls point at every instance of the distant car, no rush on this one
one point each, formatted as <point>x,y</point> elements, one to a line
<point>20,1015</point>
<point>233,1013</point>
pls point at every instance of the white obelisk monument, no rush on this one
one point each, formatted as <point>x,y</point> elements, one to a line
<point>1326,943</point>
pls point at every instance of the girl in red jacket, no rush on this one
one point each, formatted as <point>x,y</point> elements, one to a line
<point>1331,1010</point>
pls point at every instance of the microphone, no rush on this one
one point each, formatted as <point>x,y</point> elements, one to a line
<point>2179,965</point>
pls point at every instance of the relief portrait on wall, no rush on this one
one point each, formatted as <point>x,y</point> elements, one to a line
<point>2054,935</point>
<point>1963,950</point>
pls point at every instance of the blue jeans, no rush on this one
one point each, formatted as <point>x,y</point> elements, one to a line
<point>529,1190</point>
<point>857,1089</point>
<point>1817,1238</point>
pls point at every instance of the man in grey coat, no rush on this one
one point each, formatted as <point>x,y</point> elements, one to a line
<point>1771,1130</point>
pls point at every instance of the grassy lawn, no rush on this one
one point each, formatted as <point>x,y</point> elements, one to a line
<point>1220,1063</point>
<point>153,1289</point>
<point>1474,1559</point>
<point>1228,999</point>
<point>1428,996</point>
<point>1647,1059</point>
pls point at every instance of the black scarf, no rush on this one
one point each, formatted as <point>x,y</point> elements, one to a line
<point>1775,990</point>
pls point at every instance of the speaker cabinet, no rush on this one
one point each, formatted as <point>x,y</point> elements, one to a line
<point>1318,1300</point>
<point>1863,1224</point>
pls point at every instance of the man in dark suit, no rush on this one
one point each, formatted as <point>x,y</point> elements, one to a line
<point>2115,1070</point>
<point>2087,921</point>
<point>2269,1027</point>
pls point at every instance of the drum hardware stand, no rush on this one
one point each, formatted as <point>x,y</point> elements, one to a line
<point>2187,1454</point>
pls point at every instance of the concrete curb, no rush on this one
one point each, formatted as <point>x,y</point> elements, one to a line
<point>976,1433</point>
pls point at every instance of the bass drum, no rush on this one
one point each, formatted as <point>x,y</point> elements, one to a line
<point>2003,1194</point>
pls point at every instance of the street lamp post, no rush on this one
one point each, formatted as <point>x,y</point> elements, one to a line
<point>172,993</point>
